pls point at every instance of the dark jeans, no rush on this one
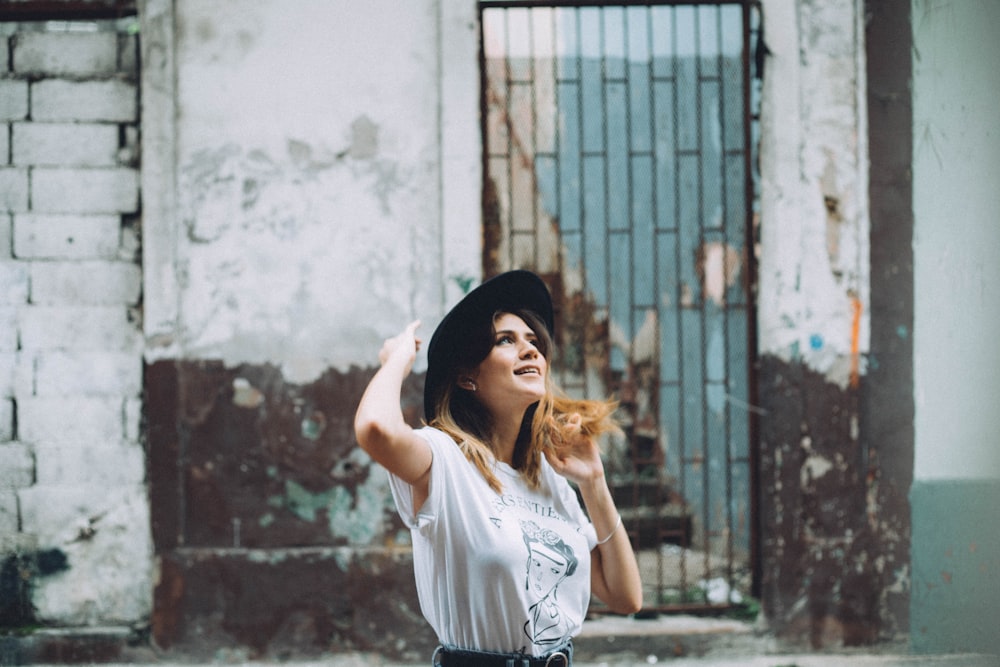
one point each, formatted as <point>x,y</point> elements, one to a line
<point>450,656</point>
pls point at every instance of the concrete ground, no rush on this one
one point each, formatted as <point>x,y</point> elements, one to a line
<point>678,641</point>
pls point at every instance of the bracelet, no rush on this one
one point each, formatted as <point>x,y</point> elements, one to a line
<point>612,533</point>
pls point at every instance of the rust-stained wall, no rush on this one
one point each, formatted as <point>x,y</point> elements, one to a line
<point>272,530</point>
<point>834,520</point>
<point>836,438</point>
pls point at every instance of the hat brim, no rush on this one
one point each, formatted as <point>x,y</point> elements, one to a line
<point>513,290</point>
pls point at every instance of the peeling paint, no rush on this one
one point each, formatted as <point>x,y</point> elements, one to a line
<point>834,531</point>
<point>719,266</point>
<point>245,395</point>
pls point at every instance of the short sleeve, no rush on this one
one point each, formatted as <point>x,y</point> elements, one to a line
<point>402,492</point>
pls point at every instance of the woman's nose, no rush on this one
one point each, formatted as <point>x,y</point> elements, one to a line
<point>528,351</point>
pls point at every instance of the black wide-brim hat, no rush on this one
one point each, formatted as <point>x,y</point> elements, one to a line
<point>514,290</point>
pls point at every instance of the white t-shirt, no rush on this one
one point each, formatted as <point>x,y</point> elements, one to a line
<point>497,572</point>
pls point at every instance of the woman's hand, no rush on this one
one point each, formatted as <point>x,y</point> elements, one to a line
<point>402,347</point>
<point>614,576</point>
<point>575,454</point>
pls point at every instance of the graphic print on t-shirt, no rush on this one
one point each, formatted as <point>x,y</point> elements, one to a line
<point>550,560</point>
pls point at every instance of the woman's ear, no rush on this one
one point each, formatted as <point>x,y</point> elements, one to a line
<point>468,383</point>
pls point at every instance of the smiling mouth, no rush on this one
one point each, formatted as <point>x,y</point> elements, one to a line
<point>527,371</point>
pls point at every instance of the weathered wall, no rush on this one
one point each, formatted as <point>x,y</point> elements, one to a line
<point>301,204</point>
<point>833,523</point>
<point>956,168</point>
<point>74,515</point>
<point>310,182</point>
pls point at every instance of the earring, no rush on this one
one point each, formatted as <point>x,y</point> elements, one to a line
<point>473,386</point>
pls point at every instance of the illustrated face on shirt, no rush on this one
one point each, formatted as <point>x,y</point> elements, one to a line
<point>546,568</point>
<point>550,559</point>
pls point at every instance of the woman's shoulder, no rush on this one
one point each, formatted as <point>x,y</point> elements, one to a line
<point>437,439</point>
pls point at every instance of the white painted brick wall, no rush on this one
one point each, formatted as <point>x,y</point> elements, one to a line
<point>64,144</point>
<point>59,190</point>
<point>77,54</point>
<point>70,355</point>
<point>85,282</point>
<point>63,236</point>
<point>59,100</point>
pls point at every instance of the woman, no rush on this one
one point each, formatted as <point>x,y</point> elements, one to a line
<point>483,487</point>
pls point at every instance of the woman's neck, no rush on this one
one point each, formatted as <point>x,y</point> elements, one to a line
<point>504,440</point>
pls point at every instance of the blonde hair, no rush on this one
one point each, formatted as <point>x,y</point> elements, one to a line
<point>544,426</point>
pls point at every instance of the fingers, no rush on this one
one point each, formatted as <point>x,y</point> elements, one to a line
<point>405,340</point>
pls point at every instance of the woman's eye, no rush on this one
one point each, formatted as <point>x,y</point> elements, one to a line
<point>504,340</point>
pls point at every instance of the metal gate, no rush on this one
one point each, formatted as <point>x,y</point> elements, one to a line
<point>618,162</point>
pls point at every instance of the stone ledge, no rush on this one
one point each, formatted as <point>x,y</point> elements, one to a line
<point>75,646</point>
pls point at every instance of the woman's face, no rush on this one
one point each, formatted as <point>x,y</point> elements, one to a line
<point>512,376</point>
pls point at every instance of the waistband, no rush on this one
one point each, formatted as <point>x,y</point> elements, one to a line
<point>451,656</point>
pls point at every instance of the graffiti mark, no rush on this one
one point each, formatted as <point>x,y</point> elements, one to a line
<point>857,308</point>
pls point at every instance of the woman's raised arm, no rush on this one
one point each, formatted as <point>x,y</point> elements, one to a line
<point>379,425</point>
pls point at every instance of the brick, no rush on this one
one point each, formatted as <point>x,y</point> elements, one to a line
<point>87,282</point>
<point>75,327</point>
<point>5,54</point>
<point>9,521</point>
<point>8,328</point>
<point>4,146</point>
<point>65,419</point>
<point>128,55</point>
<point>6,236</point>
<point>13,99</point>
<point>65,144</point>
<point>63,236</point>
<point>113,190</point>
<point>17,466</point>
<point>77,54</point>
<point>13,282</point>
<point>87,373</point>
<point>6,420</point>
<point>8,374</point>
<point>13,189</point>
<point>59,100</point>
<point>109,464</point>
<point>17,375</point>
